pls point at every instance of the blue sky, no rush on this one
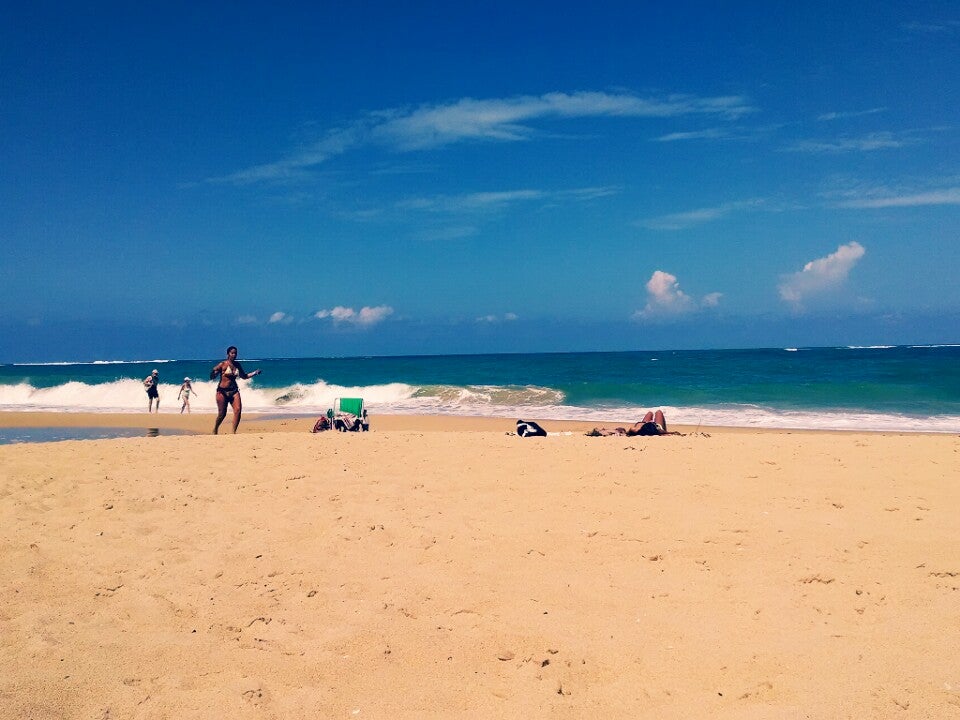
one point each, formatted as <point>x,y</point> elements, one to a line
<point>366,178</point>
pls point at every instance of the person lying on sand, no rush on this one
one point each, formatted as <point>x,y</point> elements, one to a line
<point>652,424</point>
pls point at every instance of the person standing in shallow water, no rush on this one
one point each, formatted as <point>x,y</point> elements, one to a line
<point>152,385</point>
<point>184,394</point>
<point>228,392</point>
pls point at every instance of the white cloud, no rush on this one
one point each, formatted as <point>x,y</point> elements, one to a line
<point>850,114</point>
<point>280,318</point>
<point>821,276</point>
<point>247,320</point>
<point>336,142</point>
<point>496,199</point>
<point>366,316</point>
<point>589,193</point>
<point>338,314</point>
<point>664,297</point>
<point>484,200</point>
<point>457,232</point>
<point>491,319</point>
<point>503,119</point>
<point>934,28</point>
<point>708,134</point>
<point>866,143</point>
<point>948,196</point>
<point>711,300</point>
<point>692,218</point>
<point>373,315</point>
<point>490,120</point>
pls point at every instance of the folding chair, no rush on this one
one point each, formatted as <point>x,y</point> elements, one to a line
<point>350,412</point>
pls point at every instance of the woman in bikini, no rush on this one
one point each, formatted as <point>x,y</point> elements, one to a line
<point>184,394</point>
<point>652,424</point>
<point>228,392</point>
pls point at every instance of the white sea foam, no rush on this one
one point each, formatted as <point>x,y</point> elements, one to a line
<point>401,399</point>
<point>739,416</point>
<point>130,396</point>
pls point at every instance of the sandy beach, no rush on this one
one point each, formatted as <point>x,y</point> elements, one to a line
<point>442,567</point>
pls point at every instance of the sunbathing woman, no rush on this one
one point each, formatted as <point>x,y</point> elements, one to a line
<point>652,424</point>
<point>228,392</point>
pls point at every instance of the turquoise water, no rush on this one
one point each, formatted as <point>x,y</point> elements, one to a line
<point>903,387</point>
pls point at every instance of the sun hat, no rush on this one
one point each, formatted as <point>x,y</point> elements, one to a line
<point>186,379</point>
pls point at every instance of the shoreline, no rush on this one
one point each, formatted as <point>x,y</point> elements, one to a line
<point>894,389</point>
<point>202,424</point>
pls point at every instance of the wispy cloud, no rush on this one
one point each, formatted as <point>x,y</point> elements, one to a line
<point>692,218</point>
<point>948,196</point>
<point>587,193</point>
<point>491,120</point>
<point>708,134</point>
<point>247,320</point>
<point>820,277</point>
<point>454,232</point>
<point>665,299</point>
<point>825,117</point>
<point>471,201</point>
<point>336,142</point>
<point>933,28</point>
<point>455,217</point>
<point>711,300</point>
<point>507,119</point>
<point>365,316</point>
<point>495,319</point>
<point>864,143</point>
<point>491,200</point>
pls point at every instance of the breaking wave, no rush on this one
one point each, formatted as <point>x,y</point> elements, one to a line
<point>542,403</point>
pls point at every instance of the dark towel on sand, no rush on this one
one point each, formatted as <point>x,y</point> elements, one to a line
<point>528,428</point>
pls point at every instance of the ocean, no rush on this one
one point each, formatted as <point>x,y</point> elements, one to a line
<point>908,388</point>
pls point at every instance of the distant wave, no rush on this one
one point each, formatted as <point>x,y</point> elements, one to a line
<point>93,362</point>
<point>869,347</point>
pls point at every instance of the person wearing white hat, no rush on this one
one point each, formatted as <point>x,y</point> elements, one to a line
<point>152,384</point>
<point>184,394</point>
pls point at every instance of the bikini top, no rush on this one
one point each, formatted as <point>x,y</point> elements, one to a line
<point>230,371</point>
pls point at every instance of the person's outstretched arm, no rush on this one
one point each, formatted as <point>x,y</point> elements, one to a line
<point>244,375</point>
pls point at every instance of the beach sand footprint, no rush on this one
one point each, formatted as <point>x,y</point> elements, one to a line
<point>253,692</point>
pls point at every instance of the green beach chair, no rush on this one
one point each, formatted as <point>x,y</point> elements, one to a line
<point>354,407</point>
